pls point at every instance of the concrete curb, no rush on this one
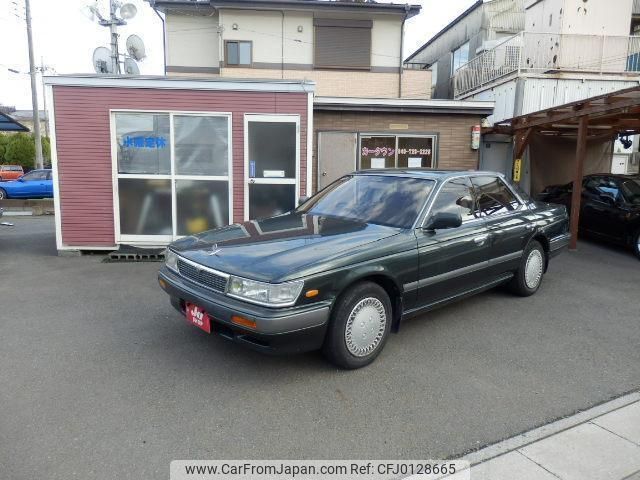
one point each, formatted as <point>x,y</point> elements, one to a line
<point>524,439</point>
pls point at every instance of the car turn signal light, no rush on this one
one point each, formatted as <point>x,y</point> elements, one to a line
<point>243,322</point>
<point>311,293</point>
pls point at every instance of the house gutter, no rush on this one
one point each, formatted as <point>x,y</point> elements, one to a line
<point>164,37</point>
<point>404,20</point>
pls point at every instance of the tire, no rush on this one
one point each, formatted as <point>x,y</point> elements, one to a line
<point>341,346</point>
<point>636,244</point>
<point>3,194</point>
<point>533,261</point>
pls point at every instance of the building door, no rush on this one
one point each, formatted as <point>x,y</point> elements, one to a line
<point>272,160</point>
<point>336,156</point>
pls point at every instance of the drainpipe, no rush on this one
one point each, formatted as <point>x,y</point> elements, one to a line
<point>404,19</point>
<point>282,46</point>
<point>164,37</point>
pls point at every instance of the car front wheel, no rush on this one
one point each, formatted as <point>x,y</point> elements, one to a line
<point>636,244</point>
<point>3,194</point>
<point>360,325</point>
<point>529,275</point>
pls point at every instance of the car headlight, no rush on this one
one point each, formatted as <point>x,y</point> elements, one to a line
<point>171,260</point>
<point>270,294</point>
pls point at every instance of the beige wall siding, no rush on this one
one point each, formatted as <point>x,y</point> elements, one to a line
<point>416,84</point>
<point>192,41</point>
<point>454,133</point>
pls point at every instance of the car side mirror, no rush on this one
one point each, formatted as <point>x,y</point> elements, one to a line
<point>443,220</point>
<point>21,179</point>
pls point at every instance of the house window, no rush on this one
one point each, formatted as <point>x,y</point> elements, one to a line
<point>459,57</point>
<point>238,53</point>
<point>397,151</point>
<point>172,177</point>
<point>342,44</point>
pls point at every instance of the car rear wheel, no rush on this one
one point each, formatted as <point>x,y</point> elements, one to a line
<point>529,275</point>
<point>359,327</point>
<point>3,194</point>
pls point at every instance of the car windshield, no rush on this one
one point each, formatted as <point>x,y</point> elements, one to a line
<point>378,199</point>
<point>631,191</point>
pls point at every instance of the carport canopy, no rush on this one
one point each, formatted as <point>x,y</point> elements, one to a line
<point>8,124</point>
<point>602,117</point>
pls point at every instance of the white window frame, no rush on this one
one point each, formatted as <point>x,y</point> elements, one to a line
<point>274,118</point>
<point>453,57</point>
<point>172,177</point>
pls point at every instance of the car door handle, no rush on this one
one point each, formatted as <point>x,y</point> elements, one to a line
<point>481,239</point>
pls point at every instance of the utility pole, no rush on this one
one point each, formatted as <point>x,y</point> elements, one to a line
<point>34,93</point>
<point>114,22</point>
<point>42,70</point>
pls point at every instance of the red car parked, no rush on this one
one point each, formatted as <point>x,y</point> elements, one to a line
<point>10,172</point>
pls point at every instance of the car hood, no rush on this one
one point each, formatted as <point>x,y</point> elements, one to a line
<point>276,248</point>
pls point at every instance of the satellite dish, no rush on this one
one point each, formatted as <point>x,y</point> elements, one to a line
<point>135,47</point>
<point>102,61</point>
<point>128,11</point>
<point>131,67</point>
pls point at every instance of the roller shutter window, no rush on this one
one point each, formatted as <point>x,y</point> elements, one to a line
<point>343,44</point>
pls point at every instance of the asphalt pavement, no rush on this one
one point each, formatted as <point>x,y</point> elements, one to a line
<point>100,378</point>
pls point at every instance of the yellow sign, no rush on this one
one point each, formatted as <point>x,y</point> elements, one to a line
<point>517,169</point>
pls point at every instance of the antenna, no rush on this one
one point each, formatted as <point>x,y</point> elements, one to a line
<point>131,67</point>
<point>117,16</point>
<point>102,60</point>
<point>128,11</point>
<point>135,47</point>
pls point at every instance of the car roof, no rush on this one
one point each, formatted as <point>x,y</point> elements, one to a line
<point>619,176</point>
<point>426,173</point>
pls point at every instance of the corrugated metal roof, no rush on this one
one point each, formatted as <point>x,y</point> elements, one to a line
<point>8,124</point>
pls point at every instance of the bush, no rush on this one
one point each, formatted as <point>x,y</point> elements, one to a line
<point>21,150</point>
<point>4,141</point>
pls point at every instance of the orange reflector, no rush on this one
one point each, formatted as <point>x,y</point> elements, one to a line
<point>243,322</point>
<point>162,283</point>
<point>311,293</point>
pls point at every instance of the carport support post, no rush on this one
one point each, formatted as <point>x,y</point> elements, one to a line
<point>576,194</point>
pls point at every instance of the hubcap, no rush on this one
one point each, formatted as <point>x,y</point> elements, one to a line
<point>533,269</point>
<point>365,326</point>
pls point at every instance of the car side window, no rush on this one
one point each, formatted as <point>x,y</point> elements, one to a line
<point>35,176</point>
<point>493,196</point>
<point>456,197</point>
<point>609,187</point>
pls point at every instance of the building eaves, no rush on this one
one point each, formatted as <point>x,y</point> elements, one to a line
<point>402,105</point>
<point>397,8</point>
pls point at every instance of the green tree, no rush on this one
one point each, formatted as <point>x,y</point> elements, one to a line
<point>4,141</point>
<point>46,150</point>
<point>21,150</point>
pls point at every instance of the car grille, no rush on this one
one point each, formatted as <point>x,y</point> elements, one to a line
<point>203,277</point>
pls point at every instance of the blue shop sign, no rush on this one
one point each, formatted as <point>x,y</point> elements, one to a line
<point>144,142</point>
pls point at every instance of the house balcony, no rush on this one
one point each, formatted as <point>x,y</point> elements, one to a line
<point>530,52</point>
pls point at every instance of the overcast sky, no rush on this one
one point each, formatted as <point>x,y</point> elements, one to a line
<point>65,38</point>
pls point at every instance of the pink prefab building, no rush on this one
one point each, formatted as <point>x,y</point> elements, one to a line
<point>146,160</point>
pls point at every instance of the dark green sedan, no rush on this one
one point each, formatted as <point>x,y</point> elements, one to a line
<point>343,270</point>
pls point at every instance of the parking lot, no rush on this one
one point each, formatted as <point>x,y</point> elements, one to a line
<point>101,378</point>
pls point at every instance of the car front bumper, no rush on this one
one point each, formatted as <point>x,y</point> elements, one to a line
<point>278,330</point>
<point>558,244</point>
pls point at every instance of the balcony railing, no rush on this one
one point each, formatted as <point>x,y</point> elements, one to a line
<point>549,52</point>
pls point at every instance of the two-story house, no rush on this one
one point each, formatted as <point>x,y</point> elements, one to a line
<point>348,48</point>
<point>531,55</point>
